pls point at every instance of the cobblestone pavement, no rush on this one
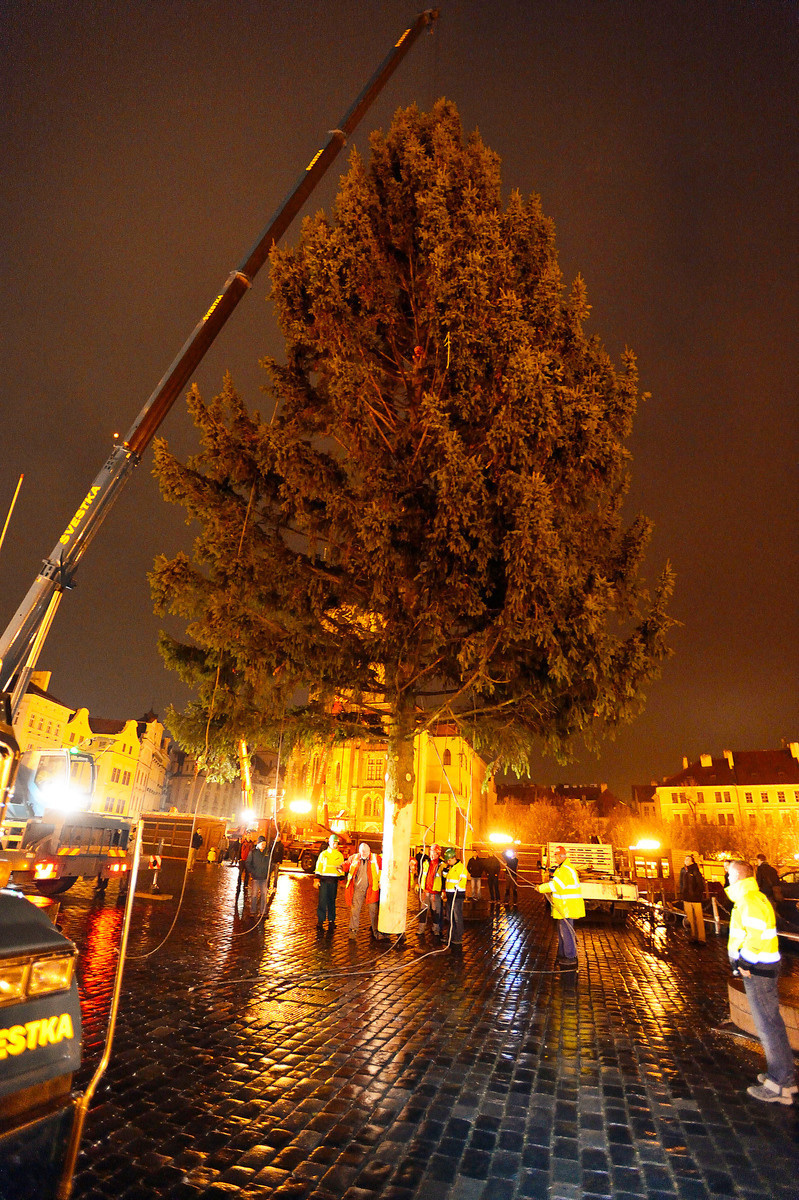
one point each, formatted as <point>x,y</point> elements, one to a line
<point>278,1062</point>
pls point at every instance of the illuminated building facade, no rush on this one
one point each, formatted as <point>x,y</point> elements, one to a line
<point>131,757</point>
<point>749,787</point>
<point>345,785</point>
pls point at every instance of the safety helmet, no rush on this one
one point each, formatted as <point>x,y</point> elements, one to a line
<point>450,852</point>
<point>333,838</point>
<point>559,850</point>
<point>435,850</point>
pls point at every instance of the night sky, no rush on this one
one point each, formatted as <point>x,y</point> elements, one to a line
<point>144,147</point>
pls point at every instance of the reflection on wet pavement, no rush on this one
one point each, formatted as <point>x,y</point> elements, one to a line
<point>264,1060</point>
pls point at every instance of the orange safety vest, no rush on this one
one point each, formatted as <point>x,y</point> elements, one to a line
<point>373,878</point>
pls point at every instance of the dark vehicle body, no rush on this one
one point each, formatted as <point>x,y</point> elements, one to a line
<point>40,1046</point>
<point>304,849</point>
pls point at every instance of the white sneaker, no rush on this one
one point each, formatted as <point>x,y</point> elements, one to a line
<point>770,1093</point>
<point>792,1089</point>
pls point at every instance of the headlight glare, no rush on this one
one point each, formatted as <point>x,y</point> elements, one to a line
<point>50,975</point>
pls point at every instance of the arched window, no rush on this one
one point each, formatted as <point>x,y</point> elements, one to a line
<point>367,806</point>
<point>447,760</point>
<point>378,807</point>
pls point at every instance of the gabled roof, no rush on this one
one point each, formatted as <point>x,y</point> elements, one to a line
<point>106,725</point>
<point>749,768</point>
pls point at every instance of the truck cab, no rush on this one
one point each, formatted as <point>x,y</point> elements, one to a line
<point>40,1046</point>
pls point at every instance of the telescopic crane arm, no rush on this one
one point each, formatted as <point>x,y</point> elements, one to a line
<point>25,634</point>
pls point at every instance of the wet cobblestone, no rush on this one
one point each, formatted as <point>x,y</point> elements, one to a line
<point>279,1063</point>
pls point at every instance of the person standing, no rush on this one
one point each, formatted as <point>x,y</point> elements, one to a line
<point>329,869</point>
<point>276,854</point>
<point>475,868</point>
<point>512,876</point>
<point>455,879</point>
<point>767,879</point>
<point>567,906</point>
<point>363,886</point>
<point>754,956</point>
<point>692,892</point>
<point>196,842</point>
<point>258,866</point>
<point>247,843</point>
<point>430,887</point>
<point>491,867</point>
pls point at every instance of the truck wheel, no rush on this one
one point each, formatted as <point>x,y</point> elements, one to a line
<point>54,887</point>
<point>308,861</point>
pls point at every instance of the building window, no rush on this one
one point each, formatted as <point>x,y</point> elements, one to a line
<point>447,759</point>
<point>109,804</point>
<point>753,818</point>
<point>115,775</point>
<point>727,798</point>
<point>730,819</point>
<point>764,797</point>
<point>781,797</point>
<point>126,778</point>
<point>718,797</point>
<point>700,797</point>
<point>749,799</point>
<point>378,807</point>
<point>703,818</point>
<point>367,806</point>
<point>120,805</point>
<point>374,770</point>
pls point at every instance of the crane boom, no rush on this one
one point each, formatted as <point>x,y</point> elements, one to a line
<point>23,637</point>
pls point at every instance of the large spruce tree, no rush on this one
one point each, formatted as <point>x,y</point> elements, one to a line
<point>431,524</point>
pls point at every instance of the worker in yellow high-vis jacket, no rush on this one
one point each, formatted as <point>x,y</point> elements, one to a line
<point>567,905</point>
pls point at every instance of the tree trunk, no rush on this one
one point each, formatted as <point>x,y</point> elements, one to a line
<point>397,824</point>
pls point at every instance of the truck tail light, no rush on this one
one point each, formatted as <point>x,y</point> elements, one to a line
<point>45,870</point>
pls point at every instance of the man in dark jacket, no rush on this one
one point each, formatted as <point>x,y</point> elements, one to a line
<point>511,876</point>
<point>258,866</point>
<point>276,853</point>
<point>692,891</point>
<point>491,867</point>
<point>767,879</point>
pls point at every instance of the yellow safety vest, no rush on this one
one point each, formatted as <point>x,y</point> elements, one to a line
<point>329,862</point>
<point>753,931</point>
<point>456,878</point>
<point>564,887</point>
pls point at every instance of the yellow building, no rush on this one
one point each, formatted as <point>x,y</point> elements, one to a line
<point>745,787</point>
<point>131,757</point>
<point>345,786</point>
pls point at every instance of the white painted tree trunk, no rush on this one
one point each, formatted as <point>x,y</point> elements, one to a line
<point>397,826</point>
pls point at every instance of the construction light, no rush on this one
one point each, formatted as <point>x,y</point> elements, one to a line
<point>300,806</point>
<point>646,844</point>
<point>504,838</point>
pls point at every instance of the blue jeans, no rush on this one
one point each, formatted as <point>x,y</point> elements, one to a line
<point>567,943</point>
<point>258,894</point>
<point>764,1003</point>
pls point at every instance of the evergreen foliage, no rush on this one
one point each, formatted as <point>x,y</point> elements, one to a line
<point>431,525</point>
